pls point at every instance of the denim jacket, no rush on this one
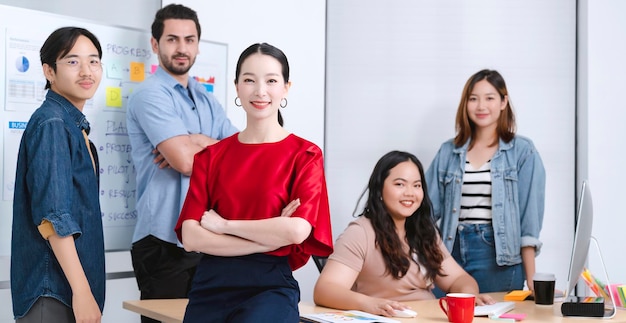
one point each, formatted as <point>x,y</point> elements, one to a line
<point>518,192</point>
<point>55,180</point>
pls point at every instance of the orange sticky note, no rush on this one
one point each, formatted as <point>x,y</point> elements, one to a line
<point>137,71</point>
<point>517,295</point>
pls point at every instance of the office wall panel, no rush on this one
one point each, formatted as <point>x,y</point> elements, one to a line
<point>395,72</point>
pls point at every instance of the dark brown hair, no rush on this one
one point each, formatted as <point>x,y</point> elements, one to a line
<point>465,128</point>
<point>173,11</point>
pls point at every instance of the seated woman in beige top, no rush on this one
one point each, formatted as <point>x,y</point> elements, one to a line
<point>392,252</point>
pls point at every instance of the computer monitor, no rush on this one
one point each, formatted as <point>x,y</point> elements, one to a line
<point>584,306</point>
<point>582,238</point>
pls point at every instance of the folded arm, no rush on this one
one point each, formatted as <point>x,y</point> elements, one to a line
<point>199,239</point>
<point>217,236</point>
<point>275,231</point>
<point>178,152</point>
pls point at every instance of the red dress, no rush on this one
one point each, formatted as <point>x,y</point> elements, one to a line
<point>256,181</point>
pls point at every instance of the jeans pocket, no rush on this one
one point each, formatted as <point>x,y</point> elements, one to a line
<point>486,235</point>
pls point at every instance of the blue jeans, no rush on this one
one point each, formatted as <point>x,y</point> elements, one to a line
<point>475,251</point>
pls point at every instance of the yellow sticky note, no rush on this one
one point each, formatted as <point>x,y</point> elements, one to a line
<point>114,96</point>
<point>137,71</point>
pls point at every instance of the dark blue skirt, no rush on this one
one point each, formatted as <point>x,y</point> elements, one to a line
<point>252,288</point>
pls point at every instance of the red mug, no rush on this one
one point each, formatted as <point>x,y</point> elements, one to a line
<point>459,307</point>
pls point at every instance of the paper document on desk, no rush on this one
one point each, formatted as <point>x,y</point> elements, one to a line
<point>493,309</point>
<point>345,316</point>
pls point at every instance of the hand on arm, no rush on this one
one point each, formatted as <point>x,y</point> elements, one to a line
<point>159,159</point>
<point>178,152</point>
<point>84,304</point>
<point>290,209</point>
<point>334,289</point>
<point>214,222</point>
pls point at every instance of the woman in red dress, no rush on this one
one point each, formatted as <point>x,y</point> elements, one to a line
<point>257,206</point>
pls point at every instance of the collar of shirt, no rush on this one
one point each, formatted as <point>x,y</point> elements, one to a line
<point>77,116</point>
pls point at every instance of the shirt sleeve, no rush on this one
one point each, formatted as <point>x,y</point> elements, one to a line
<point>154,110</point>
<point>351,246</point>
<point>310,187</point>
<point>434,190</point>
<point>49,153</point>
<point>531,188</point>
<point>197,199</point>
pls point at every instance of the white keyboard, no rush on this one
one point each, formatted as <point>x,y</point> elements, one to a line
<point>494,309</point>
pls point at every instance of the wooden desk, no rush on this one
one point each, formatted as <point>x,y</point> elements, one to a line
<point>164,310</point>
<point>173,311</point>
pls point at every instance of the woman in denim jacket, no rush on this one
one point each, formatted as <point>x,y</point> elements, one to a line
<point>487,186</point>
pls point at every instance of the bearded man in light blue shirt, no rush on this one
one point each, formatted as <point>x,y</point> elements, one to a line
<point>170,118</point>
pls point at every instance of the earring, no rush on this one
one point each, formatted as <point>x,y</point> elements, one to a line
<point>238,104</point>
<point>281,103</point>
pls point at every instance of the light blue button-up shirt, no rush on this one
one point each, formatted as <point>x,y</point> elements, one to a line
<point>158,109</point>
<point>518,195</point>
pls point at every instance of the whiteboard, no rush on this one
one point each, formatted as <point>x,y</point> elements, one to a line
<point>128,60</point>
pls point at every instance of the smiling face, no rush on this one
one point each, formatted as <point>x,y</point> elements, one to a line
<point>402,190</point>
<point>261,87</point>
<point>77,74</point>
<point>178,47</point>
<point>484,105</point>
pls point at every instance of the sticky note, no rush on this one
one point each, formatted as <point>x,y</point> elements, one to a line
<point>114,97</point>
<point>114,69</point>
<point>137,71</point>
<point>517,295</point>
<point>517,317</point>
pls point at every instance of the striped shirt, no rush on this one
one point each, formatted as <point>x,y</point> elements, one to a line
<point>476,194</point>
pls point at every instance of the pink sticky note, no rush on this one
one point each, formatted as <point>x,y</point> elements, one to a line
<point>517,317</point>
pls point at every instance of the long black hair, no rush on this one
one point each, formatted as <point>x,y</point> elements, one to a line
<point>421,232</point>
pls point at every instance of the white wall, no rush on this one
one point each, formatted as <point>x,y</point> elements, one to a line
<point>395,72</point>
<point>602,85</point>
